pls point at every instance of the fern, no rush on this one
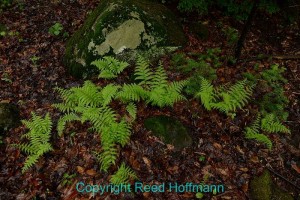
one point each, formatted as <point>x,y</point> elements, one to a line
<point>131,92</point>
<point>90,104</point>
<point>236,97</point>
<point>154,87</point>
<point>109,67</point>
<point>63,120</point>
<point>132,110</point>
<point>123,175</point>
<point>108,93</point>
<point>267,124</point>
<point>108,156</point>
<point>142,72</point>
<point>159,79</point>
<point>270,124</point>
<point>252,132</point>
<point>166,95</point>
<point>224,99</point>
<point>206,93</point>
<point>38,136</point>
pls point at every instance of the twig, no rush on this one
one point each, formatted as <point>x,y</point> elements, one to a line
<point>269,167</point>
<point>279,57</point>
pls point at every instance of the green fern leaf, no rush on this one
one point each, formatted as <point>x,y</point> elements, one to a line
<point>252,132</point>
<point>123,175</point>
<point>132,110</point>
<point>159,78</point>
<point>38,136</point>
<point>131,92</point>
<point>108,156</point>
<point>206,93</point>
<point>108,93</point>
<point>63,120</point>
<point>109,67</point>
<point>271,125</point>
<point>142,71</point>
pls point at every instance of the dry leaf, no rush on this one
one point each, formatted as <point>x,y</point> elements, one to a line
<point>295,167</point>
<point>173,170</point>
<point>245,187</point>
<point>80,170</point>
<point>254,159</point>
<point>217,145</point>
<point>147,162</point>
<point>91,172</point>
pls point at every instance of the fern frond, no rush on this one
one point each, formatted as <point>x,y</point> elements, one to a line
<point>123,133</point>
<point>235,98</point>
<point>38,136</point>
<point>271,125</point>
<point>88,94</point>
<point>157,97</point>
<point>65,119</point>
<point>108,156</point>
<point>108,93</point>
<point>252,132</point>
<point>131,92</point>
<point>132,110</point>
<point>159,77</point>
<point>260,138</point>
<point>177,86</point>
<point>123,175</point>
<point>29,162</point>
<point>109,67</point>
<point>206,93</point>
<point>143,72</point>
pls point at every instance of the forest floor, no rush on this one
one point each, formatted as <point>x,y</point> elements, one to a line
<point>230,159</point>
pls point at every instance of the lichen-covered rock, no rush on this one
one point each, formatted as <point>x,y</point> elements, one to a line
<point>263,188</point>
<point>170,130</point>
<point>9,116</point>
<point>119,25</point>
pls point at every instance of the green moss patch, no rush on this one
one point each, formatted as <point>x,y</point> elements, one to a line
<point>170,130</point>
<point>263,188</point>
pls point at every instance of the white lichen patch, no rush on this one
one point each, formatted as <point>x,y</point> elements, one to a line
<point>126,35</point>
<point>149,40</point>
<point>135,15</point>
<point>91,45</point>
<point>80,61</point>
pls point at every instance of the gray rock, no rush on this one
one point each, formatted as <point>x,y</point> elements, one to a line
<point>170,130</point>
<point>118,26</point>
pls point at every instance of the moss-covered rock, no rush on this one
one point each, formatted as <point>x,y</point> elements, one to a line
<point>170,130</point>
<point>263,188</point>
<point>9,116</point>
<point>119,25</point>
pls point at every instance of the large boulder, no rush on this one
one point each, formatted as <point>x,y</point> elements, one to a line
<point>118,26</point>
<point>169,130</point>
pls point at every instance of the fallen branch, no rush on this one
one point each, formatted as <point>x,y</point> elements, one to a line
<point>278,57</point>
<point>269,167</point>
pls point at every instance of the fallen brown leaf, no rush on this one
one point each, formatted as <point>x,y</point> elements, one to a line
<point>80,170</point>
<point>91,172</point>
<point>295,167</point>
